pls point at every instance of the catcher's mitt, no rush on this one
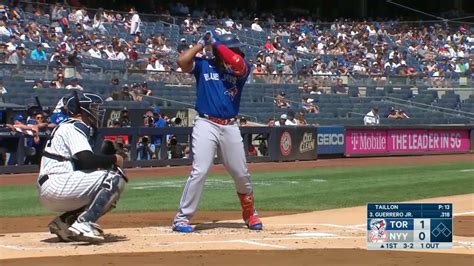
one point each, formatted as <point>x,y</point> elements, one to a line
<point>109,147</point>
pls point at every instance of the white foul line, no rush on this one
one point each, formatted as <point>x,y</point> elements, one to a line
<point>463,213</point>
<point>15,247</point>
<point>252,242</point>
<point>354,227</point>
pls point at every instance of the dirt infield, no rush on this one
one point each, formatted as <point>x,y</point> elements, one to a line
<point>305,257</point>
<point>327,237</point>
<point>330,237</point>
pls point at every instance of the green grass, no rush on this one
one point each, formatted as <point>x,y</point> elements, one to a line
<point>314,189</point>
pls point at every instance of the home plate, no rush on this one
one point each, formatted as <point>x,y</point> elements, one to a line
<point>315,234</point>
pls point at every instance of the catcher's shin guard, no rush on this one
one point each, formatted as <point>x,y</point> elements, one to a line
<point>249,214</point>
<point>105,199</point>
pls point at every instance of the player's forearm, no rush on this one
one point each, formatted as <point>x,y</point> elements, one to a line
<point>88,160</point>
<point>185,59</point>
<point>236,62</point>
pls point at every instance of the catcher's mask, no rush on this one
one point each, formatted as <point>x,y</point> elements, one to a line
<point>90,107</point>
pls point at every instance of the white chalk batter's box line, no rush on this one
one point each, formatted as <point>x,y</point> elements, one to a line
<point>213,183</point>
<point>252,241</point>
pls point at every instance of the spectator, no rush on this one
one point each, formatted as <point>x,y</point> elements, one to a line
<point>154,64</point>
<point>135,21</point>
<point>121,54</point>
<point>3,53</point>
<point>38,54</point>
<point>316,90</point>
<point>12,44</point>
<point>175,149</point>
<point>339,88</point>
<point>4,31</point>
<point>59,82</point>
<point>18,57</point>
<point>306,88</point>
<point>133,53</point>
<point>138,38</point>
<point>111,55</point>
<point>282,121</point>
<point>269,45</point>
<point>99,20</point>
<point>255,26</point>
<point>122,141</point>
<point>74,85</point>
<point>372,117</point>
<point>183,45</point>
<point>271,122</point>
<point>94,50</point>
<point>396,113</point>
<point>280,100</point>
<point>125,94</point>
<point>30,131</point>
<point>145,89</point>
<point>3,91</point>
<point>124,118</point>
<point>35,144</point>
<point>290,118</point>
<point>259,70</point>
<point>251,149</point>
<point>301,48</point>
<point>158,122</point>
<point>300,120</point>
<point>308,105</point>
<point>39,84</point>
<point>145,150</point>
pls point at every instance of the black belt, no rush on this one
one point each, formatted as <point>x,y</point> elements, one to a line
<point>43,179</point>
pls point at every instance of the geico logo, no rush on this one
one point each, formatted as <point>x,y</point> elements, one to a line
<point>331,139</point>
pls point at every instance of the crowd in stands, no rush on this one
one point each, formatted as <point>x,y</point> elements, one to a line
<point>303,47</point>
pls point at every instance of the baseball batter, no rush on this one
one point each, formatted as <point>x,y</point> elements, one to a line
<point>219,83</point>
<point>69,180</point>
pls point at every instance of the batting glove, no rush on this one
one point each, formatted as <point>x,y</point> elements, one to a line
<point>206,39</point>
<point>214,38</point>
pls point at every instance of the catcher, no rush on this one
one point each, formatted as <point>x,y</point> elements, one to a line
<point>70,180</point>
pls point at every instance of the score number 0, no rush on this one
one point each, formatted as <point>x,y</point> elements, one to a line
<point>422,230</point>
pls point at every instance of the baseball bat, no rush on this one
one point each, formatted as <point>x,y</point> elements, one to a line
<point>78,110</point>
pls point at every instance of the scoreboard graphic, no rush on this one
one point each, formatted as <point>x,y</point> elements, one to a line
<point>409,225</point>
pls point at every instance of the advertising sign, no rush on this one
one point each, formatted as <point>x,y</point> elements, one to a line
<point>331,140</point>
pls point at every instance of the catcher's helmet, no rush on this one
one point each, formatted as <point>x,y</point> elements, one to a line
<point>90,106</point>
<point>230,41</point>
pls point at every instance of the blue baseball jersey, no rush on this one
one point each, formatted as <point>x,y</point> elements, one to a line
<point>218,90</point>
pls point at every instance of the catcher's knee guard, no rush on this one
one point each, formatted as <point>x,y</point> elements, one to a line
<point>106,199</point>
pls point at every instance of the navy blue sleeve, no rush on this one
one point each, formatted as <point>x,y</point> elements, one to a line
<point>82,128</point>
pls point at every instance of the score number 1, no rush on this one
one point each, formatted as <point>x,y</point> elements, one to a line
<point>422,230</point>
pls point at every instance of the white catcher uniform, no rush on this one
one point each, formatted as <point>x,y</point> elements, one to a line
<point>67,189</point>
<point>69,180</point>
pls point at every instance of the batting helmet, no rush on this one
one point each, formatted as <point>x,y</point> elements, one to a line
<point>89,105</point>
<point>230,41</point>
